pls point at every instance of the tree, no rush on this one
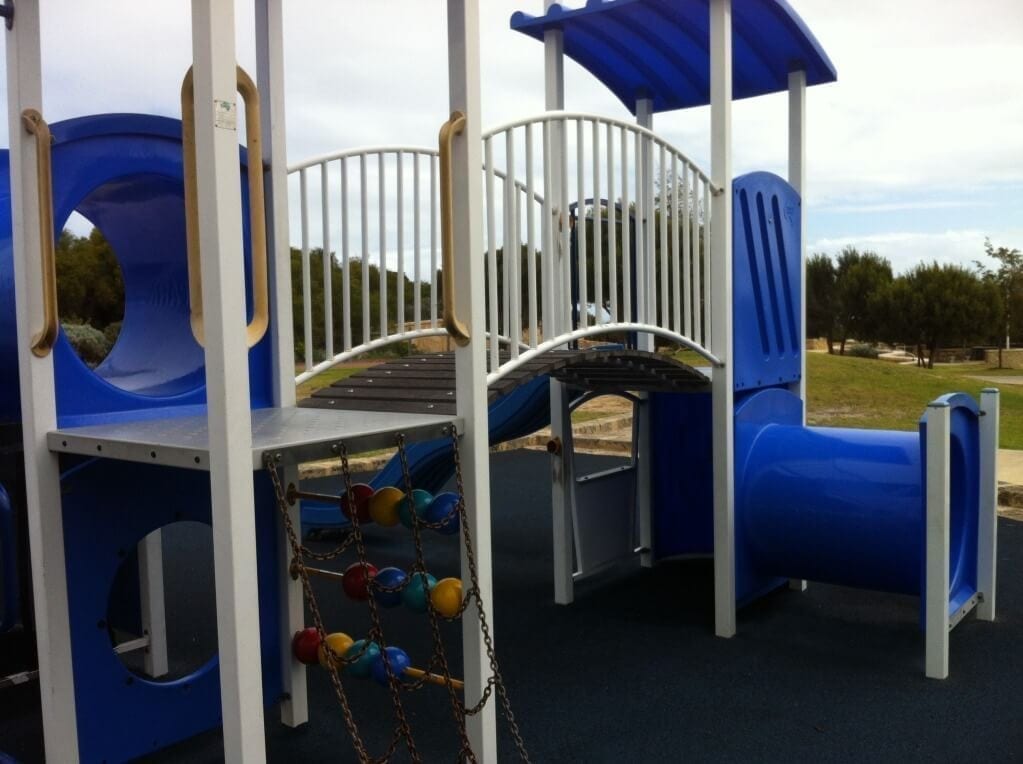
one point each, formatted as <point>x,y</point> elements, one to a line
<point>937,304</point>
<point>90,288</point>
<point>821,298</point>
<point>1008,278</point>
<point>860,279</point>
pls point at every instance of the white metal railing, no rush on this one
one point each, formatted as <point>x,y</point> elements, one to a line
<point>599,212</point>
<point>619,220</point>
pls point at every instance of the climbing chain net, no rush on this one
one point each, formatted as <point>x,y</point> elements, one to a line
<point>438,670</point>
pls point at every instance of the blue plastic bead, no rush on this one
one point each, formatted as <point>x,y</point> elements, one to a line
<point>417,592</point>
<point>398,660</point>
<point>444,509</point>
<point>389,577</point>
<point>421,501</point>
<point>361,666</point>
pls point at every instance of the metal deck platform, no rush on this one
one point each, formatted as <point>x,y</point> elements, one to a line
<point>426,384</point>
<point>296,434</point>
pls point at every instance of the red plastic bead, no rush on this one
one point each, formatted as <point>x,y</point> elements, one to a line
<point>305,646</point>
<point>363,493</point>
<point>356,580</point>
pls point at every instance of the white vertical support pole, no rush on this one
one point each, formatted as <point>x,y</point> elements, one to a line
<point>554,100</point>
<point>797,178</point>
<point>38,402</point>
<point>227,379</point>
<point>936,581</point>
<point>644,279</point>
<point>644,240</point>
<point>721,314</point>
<point>987,537</point>
<point>563,481</point>
<point>270,73</point>
<point>470,361</point>
<point>561,421</point>
<point>151,595</point>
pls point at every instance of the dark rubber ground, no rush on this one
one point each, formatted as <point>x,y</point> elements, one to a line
<point>631,672</point>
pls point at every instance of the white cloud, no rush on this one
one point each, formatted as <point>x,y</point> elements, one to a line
<point>907,248</point>
<point>928,104</point>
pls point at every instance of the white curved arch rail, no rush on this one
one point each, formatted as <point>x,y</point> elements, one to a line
<point>609,223</point>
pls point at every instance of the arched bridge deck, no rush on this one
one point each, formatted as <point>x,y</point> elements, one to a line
<point>426,384</point>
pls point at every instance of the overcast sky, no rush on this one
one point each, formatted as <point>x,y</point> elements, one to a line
<point>916,152</point>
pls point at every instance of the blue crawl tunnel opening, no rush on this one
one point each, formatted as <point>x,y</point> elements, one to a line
<point>142,217</point>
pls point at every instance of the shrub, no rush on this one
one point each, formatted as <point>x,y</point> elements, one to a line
<point>111,332</point>
<point>862,351</point>
<point>88,342</point>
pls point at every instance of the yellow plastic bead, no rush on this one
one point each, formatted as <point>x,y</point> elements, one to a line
<point>339,643</point>
<point>446,597</point>
<point>383,505</point>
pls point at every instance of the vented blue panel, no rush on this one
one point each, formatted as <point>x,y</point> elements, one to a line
<point>766,281</point>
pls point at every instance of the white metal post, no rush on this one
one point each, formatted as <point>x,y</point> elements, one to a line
<point>644,260</point>
<point>38,402</point>
<point>227,379</point>
<point>470,361</point>
<point>937,546</point>
<point>560,292</point>
<point>151,595</point>
<point>563,484</point>
<point>797,178</point>
<point>270,71</point>
<point>721,313</point>
<point>987,537</point>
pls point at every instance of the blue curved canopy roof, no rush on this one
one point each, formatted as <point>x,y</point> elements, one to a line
<point>660,49</point>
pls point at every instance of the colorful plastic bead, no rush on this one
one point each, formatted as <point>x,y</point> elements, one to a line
<point>446,597</point>
<point>397,659</point>
<point>390,578</point>
<point>339,642</point>
<point>444,509</point>
<point>418,590</point>
<point>356,580</point>
<point>362,494</point>
<point>305,646</point>
<point>361,666</point>
<point>383,506</point>
<point>421,501</point>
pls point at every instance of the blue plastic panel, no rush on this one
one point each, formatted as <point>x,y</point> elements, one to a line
<point>683,492</point>
<point>659,49</point>
<point>124,172</point>
<point>766,279</point>
<point>122,716</point>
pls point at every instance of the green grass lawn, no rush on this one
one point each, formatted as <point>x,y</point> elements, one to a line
<point>859,392</point>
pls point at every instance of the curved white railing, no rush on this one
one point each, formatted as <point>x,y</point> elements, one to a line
<point>542,176</point>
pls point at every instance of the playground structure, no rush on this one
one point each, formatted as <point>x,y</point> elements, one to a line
<point>606,213</point>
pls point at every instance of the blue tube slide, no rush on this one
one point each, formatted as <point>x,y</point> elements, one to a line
<point>847,506</point>
<point>431,463</point>
<point>123,172</point>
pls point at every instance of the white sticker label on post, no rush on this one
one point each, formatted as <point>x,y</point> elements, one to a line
<point>225,115</point>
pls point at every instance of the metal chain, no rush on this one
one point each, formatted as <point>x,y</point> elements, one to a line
<point>438,659</point>
<point>296,550</point>
<point>376,630</point>
<point>470,560</point>
<point>439,654</point>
